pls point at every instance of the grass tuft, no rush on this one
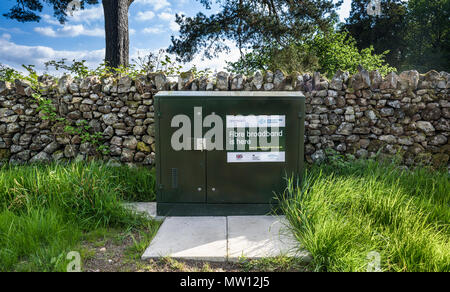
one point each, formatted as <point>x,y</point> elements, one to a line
<point>46,209</point>
<point>343,211</point>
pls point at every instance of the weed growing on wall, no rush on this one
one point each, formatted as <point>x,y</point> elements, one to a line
<point>48,110</point>
<point>141,66</point>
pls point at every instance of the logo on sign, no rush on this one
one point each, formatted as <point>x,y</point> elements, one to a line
<point>73,6</point>
<point>242,132</point>
<point>374,8</point>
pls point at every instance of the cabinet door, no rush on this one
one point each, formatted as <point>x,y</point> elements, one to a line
<point>182,173</point>
<point>235,176</point>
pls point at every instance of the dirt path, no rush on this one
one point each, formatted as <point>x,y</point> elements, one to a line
<point>116,251</point>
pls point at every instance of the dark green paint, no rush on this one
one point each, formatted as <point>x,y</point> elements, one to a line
<point>240,188</point>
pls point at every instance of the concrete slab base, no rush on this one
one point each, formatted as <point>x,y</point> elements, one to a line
<point>256,237</point>
<point>190,238</point>
<point>148,209</point>
<point>221,239</point>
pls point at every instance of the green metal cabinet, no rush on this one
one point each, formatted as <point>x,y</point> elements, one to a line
<point>196,181</point>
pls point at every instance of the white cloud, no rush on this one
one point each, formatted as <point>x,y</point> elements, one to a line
<point>87,15</point>
<point>220,62</point>
<point>6,36</point>
<point>75,25</point>
<point>50,20</point>
<point>146,15</point>
<point>153,30</point>
<point>70,31</point>
<point>47,31</point>
<point>14,30</point>
<point>15,55</point>
<point>156,4</point>
<point>174,26</point>
<point>79,16</point>
<point>166,16</point>
<point>215,64</point>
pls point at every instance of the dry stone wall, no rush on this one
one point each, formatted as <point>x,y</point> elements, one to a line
<point>364,115</point>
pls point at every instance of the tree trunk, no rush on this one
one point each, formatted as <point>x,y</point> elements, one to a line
<point>116,32</point>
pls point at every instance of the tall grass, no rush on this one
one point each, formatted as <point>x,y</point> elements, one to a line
<point>44,210</point>
<point>342,211</point>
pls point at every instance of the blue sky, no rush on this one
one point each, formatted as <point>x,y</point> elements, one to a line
<point>151,25</point>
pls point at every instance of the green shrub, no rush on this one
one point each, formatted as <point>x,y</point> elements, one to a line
<point>326,53</point>
<point>338,51</point>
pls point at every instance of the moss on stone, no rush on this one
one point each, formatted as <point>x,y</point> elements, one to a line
<point>294,74</point>
<point>411,110</point>
<point>267,73</point>
<point>329,129</point>
<point>141,146</point>
<point>354,147</point>
<point>94,157</point>
<point>440,159</point>
<point>187,74</point>
<point>132,104</point>
<point>375,145</point>
<point>151,130</point>
<point>433,96</point>
<point>445,149</point>
<point>424,158</point>
<point>350,90</point>
<point>5,154</point>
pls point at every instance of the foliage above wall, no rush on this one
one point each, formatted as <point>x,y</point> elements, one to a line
<point>416,32</point>
<point>251,24</point>
<point>326,53</point>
